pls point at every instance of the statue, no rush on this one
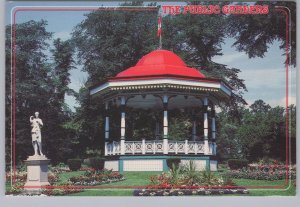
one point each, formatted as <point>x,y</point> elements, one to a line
<point>36,124</point>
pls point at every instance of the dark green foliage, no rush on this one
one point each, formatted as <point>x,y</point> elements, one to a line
<point>255,33</point>
<point>41,85</point>
<point>74,164</point>
<point>260,175</point>
<point>237,163</point>
<point>260,132</point>
<point>173,162</point>
<point>180,125</point>
<point>97,163</point>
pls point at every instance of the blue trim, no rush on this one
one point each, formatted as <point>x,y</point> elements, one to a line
<point>164,160</point>
<point>121,166</point>
<point>165,166</point>
<point>208,165</point>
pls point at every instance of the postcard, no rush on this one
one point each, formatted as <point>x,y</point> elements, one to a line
<point>150,98</point>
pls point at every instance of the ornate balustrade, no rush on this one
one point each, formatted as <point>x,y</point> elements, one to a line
<point>157,147</point>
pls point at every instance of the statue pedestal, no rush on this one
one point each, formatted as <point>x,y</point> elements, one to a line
<point>37,173</point>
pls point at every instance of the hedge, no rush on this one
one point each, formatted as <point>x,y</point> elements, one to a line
<point>74,164</point>
<point>97,163</point>
<point>235,164</point>
<point>171,161</point>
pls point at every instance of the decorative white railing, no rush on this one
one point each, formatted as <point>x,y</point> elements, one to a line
<point>157,147</point>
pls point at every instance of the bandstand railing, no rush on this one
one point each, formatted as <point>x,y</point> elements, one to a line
<point>157,147</point>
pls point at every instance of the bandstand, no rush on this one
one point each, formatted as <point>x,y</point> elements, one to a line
<point>161,81</point>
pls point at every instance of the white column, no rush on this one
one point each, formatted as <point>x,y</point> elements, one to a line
<point>205,120</point>
<point>106,128</point>
<point>186,147</point>
<point>165,124</point>
<point>106,148</point>
<point>123,124</point>
<point>113,148</point>
<point>143,147</point>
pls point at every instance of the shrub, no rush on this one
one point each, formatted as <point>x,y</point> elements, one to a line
<point>259,174</point>
<point>87,162</point>
<point>235,164</point>
<point>74,164</point>
<point>173,162</point>
<point>97,163</point>
<point>191,175</point>
<point>92,177</point>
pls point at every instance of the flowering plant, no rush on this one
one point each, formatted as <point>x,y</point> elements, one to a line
<point>96,177</point>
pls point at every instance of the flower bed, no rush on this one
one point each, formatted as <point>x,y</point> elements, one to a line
<point>20,177</point>
<point>59,169</point>
<point>185,180</point>
<point>61,189</point>
<point>93,177</point>
<point>190,192</point>
<point>259,174</point>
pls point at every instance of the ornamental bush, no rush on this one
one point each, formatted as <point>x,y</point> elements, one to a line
<point>173,161</point>
<point>259,175</point>
<point>94,177</point>
<point>74,164</point>
<point>97,163</point>
<point>235,164</point>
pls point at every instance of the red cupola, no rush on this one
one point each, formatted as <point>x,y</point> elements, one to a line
<point>160,63</point>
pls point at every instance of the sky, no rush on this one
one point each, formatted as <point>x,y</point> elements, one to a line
<point>264,77</point>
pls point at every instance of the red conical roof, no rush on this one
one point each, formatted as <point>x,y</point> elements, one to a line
<point>160,62</point>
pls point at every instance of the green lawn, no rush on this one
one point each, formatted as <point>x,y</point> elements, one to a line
<point>142,178</point>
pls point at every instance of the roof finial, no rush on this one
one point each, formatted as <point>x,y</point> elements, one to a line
<point>159,28</point>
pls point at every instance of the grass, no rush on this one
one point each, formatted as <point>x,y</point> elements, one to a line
<point>249,182</point>
<point>132,179</point>
<point>142,179</point>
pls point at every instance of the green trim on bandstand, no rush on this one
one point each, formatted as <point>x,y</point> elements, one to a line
<point>164,158</point>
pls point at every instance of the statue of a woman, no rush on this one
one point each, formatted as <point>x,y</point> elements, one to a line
<point>36,124</point>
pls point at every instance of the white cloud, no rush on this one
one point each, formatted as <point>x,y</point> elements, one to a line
<point>291,100</point>
<point>272,79</point>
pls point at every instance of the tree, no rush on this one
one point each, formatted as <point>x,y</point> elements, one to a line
<point>259,106</point>
<point>31,79</point>
<point>63,63</point>
<point>40,86</point>
<point>261,133</point>
<point>254,34</point>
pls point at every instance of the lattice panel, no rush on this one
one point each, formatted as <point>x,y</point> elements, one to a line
<point>213,165</point>
<point>143,165</point>
<point>112,165</point>
<point>200,164</point>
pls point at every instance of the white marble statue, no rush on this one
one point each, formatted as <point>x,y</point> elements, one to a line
<point>36,124</point>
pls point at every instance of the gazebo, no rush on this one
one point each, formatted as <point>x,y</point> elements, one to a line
<point>161,81</point>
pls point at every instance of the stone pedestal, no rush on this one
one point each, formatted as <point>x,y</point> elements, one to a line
<point>37,173</point>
